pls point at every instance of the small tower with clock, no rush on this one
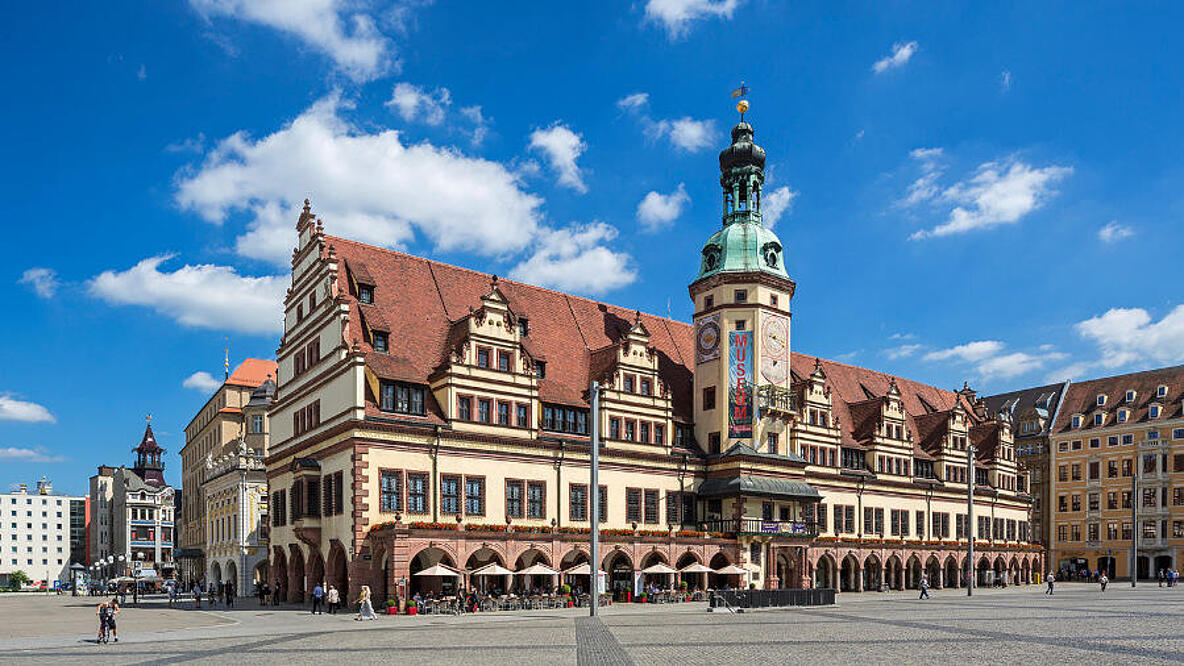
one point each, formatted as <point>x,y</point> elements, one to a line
<point>742,315</point>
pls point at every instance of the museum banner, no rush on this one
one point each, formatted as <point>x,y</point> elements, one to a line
<point>740,369</point>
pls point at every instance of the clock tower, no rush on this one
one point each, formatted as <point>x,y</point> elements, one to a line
<point>742,315</point>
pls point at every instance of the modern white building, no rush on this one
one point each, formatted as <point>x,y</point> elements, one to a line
<point>35,534</point>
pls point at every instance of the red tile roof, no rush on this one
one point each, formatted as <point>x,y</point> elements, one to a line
<point>421,300</point>
<point>1082,397</point>
<point>252,372</point>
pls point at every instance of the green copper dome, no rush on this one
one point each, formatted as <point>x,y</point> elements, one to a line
<point>743,245</point>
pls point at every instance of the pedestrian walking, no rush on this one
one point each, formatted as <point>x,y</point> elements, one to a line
<point>197,596</point>
<point>333,598</point>
<point>1051,579</point>
<point>924,587</point>
<point>318,599</point>
<point>1102,580</point>
<point>365,608</point>
<point>231,592</point>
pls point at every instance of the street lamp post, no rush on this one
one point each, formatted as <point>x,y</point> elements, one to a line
<point>970,520</point>
<point>594,491</point>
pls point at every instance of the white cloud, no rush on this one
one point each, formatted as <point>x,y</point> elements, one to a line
<point>926,186</point>
<point>902,351</point>
<point>989,360</point>
<point>971,352</point>
<point>775,204</point>
<point>998,193</point>
<point>480,124</point>
<point>44,281</point>
<point>575,259</point>
<point>901,53</point>
<point>24,455</point>
<point>414,103</point>
<point>350,38</point>
<point>202,382</point>
<point>659,210</point>
<point>562,147</point>
<point>677,15</point>
<point>1129,335</point>
<point>191,145</point>
<point>1005,80</point>
<point>369,186</point>
<point>203,296</point>
<point>1114,232</point>
<point>686,133</point>
<point>12,409</point>
<point>633,102</point>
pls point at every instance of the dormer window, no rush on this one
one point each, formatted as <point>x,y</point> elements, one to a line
<point>381,341</point>
<point>1099,418</point>
<point>1154,411</point>
<point>540,369</point>
<point>1122,415</point>
<point>1161,392</point>
<point>523,326</point>
<point>1076,421</point>
<point>1130,396</point>
<point>366,294</point>
<point>1101,399</point>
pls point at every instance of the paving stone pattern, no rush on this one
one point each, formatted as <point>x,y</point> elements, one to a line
<point>1076,626</point>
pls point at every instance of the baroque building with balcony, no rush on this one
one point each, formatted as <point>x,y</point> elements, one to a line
<point>428,414</point>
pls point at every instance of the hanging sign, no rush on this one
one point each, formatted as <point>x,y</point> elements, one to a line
<point>707,338</point>
<point>740,368</point>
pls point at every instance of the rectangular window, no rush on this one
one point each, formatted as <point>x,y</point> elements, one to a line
<point>503,361</point>
<point>484,405</point>
<point>740,295</point>
<point>659,434</point>
<point>417,492</point>
<point>381,341</point>
<point>629,426</point>
<point>401,398</point>
<point>366,294</point>
<point>475,495</point>
<point>632,505</point>
<point>450,494</point>
<point>646,387</point>
<point>464,408</point>
<point>540,369</point>
<point>708,398</point>
<point>713,445</point>
<point>482,357</point>
<point>1095,471</point>
<point>614,428</point>
<point>503,413</point>
<point>536,500</point>
<point>557,418</point>
<point>578,502</point>
<point>627,382</point>
<point>643,432</point>
<point>919,522</point>
<point>651,506</point>
<point>514,504</point>
<point>523,416</point>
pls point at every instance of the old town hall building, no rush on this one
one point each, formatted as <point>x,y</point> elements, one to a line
<point>428,414</point>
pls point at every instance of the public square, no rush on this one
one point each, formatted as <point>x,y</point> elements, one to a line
<point>1076,625</point>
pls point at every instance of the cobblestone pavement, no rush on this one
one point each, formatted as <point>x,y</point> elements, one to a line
<point>1077,625</point>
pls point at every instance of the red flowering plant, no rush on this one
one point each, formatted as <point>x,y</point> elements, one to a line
<point>420,525</point>
<point>474,527</point>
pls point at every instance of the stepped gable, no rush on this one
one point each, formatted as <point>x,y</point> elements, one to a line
<point>1081,397</point>
<point>855,393</point>
<point>421,300</point>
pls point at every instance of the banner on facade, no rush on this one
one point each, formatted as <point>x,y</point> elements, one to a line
<point>740,368</point>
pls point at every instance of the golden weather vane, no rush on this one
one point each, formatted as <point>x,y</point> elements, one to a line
<point>741,93</point>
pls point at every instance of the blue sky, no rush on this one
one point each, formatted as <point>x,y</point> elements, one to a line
<point>987,194</point>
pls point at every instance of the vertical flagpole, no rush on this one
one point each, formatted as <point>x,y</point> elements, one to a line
<point>594,491</point>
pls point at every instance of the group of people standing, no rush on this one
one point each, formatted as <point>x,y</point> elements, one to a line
<point>322,597</point>
<point>1168,577</point>
<point>213,592</point>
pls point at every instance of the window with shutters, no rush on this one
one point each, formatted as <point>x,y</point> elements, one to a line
<point>602,504</point>
<point>633,505</point>
<point>514,498</point>
<point>651,506</point>
<point>417,492</point>
<point>450,494</point>
<point>578,502</point>
<point>536,500</point>
<point>475,495</point>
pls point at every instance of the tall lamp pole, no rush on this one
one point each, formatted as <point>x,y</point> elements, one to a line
<point>970,520</point>
<point>594,491</point>
<point>1134,519</point>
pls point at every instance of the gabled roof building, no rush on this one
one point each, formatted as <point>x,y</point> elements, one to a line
<point>429,414</point>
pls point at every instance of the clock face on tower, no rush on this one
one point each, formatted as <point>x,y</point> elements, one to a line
<point>707,339</point>
<point>775,348</point>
